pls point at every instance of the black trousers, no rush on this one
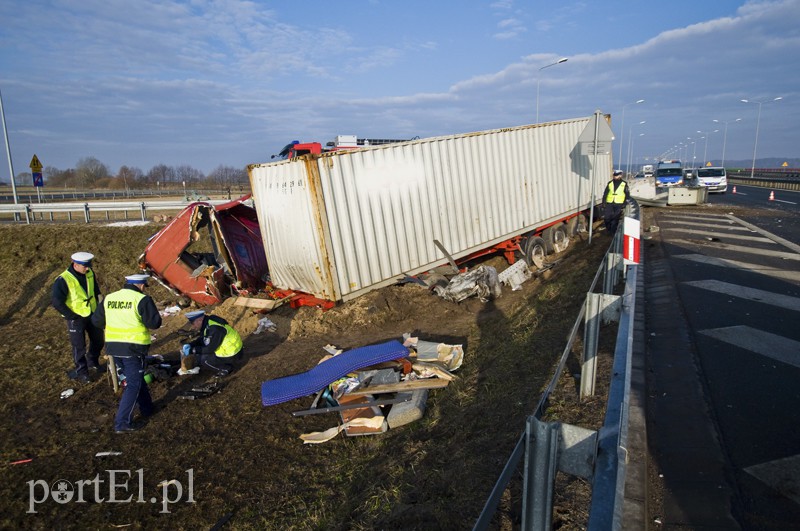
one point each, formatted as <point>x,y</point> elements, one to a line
<point>85,357</point>
<point>611,214</point>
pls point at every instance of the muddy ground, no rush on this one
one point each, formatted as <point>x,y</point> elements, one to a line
<point>243,464</point>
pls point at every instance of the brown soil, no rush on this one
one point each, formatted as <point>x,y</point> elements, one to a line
<point>246,462</point>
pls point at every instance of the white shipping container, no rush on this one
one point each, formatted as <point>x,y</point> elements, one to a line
<point>343,223</point>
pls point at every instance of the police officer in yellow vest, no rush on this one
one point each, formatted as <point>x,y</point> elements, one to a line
<point>128,315</point>
<point>75,295</point>
<point>218,345</point>
<point>614,198</point>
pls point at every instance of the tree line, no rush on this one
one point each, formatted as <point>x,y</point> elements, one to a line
<point>90,173</point>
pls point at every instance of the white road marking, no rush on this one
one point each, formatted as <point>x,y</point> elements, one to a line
<point>752,294</point>
<point>738,248</point>
<point>722,262</point>
<point>783,475</point>
<point>720,235</point>
<point>772,346</point>
<point>782,201</point>
<point>707,225</point>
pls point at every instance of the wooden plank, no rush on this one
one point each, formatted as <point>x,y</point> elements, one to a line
<point>263,304</point>
<point>429,383</point>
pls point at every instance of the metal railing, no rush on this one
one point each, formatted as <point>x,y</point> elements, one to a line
<point>29,211</point>
<point>548,447</point>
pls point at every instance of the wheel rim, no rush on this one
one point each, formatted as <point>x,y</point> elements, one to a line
<point>560,240</point>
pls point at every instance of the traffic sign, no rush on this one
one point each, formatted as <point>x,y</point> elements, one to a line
<point>35,165</point>
<point>38,181</point>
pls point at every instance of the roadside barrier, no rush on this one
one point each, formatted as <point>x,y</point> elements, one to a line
<point>30,211</point>
<point>598,456</point>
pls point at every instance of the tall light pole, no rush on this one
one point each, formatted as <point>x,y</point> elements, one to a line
<point>539,78</point>
<point>622,130</point>
<point>705,149</point>
<point>725,137</point>
<point>630,137</point>
<point>758,121</point>
<point>8,152</point>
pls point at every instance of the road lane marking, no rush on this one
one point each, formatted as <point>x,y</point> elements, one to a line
<point>783,475</point>
<point>737,248</point>
<point>752,294</point>
<point>772,346</point>
<point>782,201</point>
<point>722,262</point>
<point>704,217</point>
<point>706,225</point>
<point>721,235</point>
<point>773,237</point>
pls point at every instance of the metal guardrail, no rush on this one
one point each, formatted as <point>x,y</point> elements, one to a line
<point>30,210</point>
<point>548,447</point>
<point>778,184</point>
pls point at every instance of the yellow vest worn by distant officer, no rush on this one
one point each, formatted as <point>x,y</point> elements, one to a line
<point>232,343</point>
<point>123,322</point>
<point>618,196</point>
<point>78,300</point>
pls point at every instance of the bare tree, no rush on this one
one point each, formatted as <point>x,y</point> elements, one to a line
<point>129,176</point>
<point>226,176</point>
<point>188,174</point>
<point>89,171</point>
<point>160,173</point>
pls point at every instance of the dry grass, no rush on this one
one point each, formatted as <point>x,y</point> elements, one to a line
<point>247,460</point>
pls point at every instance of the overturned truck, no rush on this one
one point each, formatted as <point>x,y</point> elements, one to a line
<point>336,225</point>
<point>209,252</point>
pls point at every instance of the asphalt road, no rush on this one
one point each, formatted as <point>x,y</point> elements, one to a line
<point>737,285</point>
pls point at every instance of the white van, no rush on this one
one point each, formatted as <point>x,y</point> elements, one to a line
<point>713,178</point>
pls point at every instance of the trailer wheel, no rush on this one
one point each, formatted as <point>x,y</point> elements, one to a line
<point>576,225</point>
<point>547,237</point>
<point>535,252</point>
<point>560,238</point>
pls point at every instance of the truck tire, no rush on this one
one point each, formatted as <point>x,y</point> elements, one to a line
<point>535,252</point>
<point>547,236</point>
<point>576,225</point>
<point>560,238</point>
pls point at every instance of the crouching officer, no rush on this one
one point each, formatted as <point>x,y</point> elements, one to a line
<point>75,293</point>
<point>127,315</point>
<point>218,345</point>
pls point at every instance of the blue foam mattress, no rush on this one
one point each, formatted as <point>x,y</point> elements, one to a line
<point>309,382</point>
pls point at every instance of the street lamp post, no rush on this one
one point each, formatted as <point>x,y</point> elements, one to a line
<point>725,137</point>
<point>630,137</point>
<point>539,78</point>
<point>705,149</point>
<point>758,121</point>
<point>631,158</point>
<point>622,131</point>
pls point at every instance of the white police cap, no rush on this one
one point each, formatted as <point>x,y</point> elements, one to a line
<point>195,314</point>
<point>83,258</point>
<point>137,279</point>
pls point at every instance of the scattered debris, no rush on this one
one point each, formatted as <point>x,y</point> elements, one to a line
<point>21,461</point>
<point>172,310</point>
<point>481,281</point>
<point>66,393</point>
<point>184,372</point>
<point>107,454</point>
<point>515,275</point>
<point>265,324</point>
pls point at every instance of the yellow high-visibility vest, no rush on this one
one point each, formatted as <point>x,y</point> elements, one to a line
<point>617,196</point>
<point>231,344</point>
<point>123,322</point>
<point>83,302</point>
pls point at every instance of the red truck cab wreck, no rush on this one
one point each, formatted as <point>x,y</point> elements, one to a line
<point>209,253</point>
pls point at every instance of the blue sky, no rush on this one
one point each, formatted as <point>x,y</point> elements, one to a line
<point>207,83</point>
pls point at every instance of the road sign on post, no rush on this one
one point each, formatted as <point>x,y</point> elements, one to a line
<point>36,171</point>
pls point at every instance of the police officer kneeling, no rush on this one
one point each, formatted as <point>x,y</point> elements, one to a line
<point>127,315</point>
<point>218,344</point>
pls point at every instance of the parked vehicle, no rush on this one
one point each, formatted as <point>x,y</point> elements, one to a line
<point>296,148</point>
<point>337,224</point>
<point>714,178</point>
<point>647,170</point>
<point>208,253</point>
<point>669,173</point>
